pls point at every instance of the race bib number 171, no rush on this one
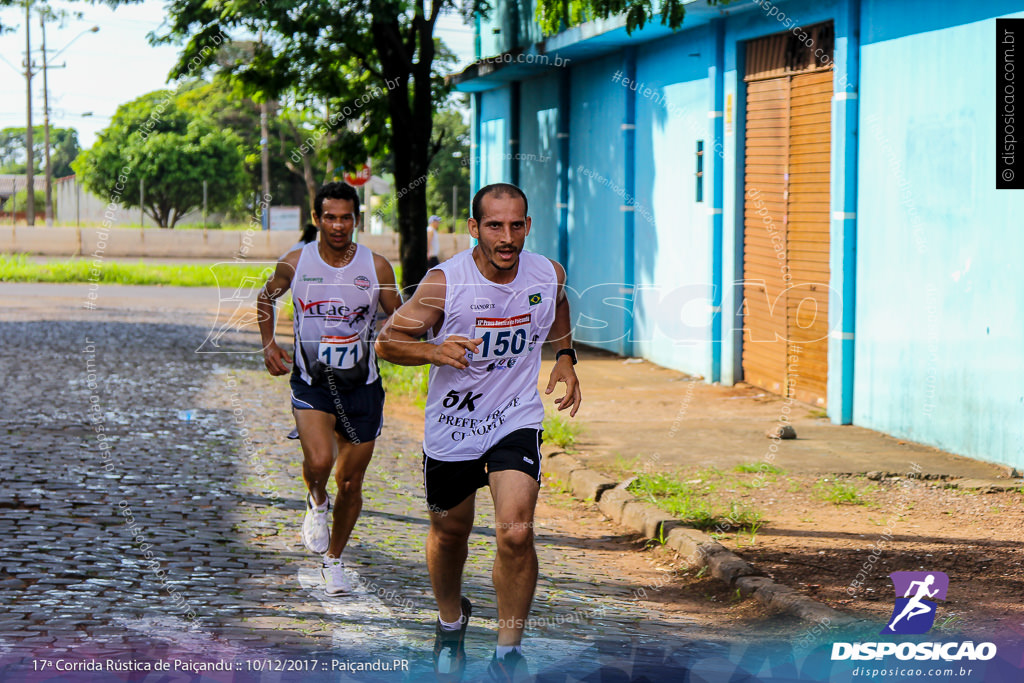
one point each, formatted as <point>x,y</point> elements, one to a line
<point>502,337</point>
<point>339,352</point>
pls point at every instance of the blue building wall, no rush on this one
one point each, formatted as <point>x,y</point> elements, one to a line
<point>495,161</point>
<point>672,230</point>
<point>940,304</point>
<point>596,190</point>
<point>539,160</point>
<point>937,329</point>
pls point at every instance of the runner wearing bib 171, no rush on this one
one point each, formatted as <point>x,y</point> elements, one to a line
<point>337,398</point>
<point>485,314</point>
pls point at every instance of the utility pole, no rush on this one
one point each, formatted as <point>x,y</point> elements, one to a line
<point>30,181</point>
<point>264,160</point>
<point>46,128</point>
<point>265,163</point>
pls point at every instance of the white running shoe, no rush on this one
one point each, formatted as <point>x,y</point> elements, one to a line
<point>336,582</point>
<point>316,529</point>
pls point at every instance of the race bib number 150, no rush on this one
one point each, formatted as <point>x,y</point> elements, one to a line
<point>339,352</point>
<point>502,337</point>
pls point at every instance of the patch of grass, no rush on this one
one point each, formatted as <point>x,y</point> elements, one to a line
<point>757,468</point>
<point>623,467</point>
<point>560,431</point>
<point>818,412</point>
<point>228,276</point>
<point>406,381</point>
<point>690,504</point>
<point>839,493</point>
<point>557,484</point>
<point>745,518</point>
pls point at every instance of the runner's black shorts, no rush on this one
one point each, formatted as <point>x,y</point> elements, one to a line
<point>449,483</point>
<point>359,413</point>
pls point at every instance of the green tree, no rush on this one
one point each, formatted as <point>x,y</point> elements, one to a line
<point>557,15</point>
<point>223,102</point>
<point>63,150</point>
<point>450,167</point>
<point>171,150</point>
<point>372,62</point>
<point>19,201</point>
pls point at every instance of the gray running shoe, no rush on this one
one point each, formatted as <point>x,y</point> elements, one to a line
<point>316,529</point>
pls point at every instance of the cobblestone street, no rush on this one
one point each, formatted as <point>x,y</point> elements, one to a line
<point>151,509</point>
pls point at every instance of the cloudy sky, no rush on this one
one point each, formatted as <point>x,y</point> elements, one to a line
<point>110,67</point>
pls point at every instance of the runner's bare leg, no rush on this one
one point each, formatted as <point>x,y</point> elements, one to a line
<point>316,434</point>
<point>515,563</point>
<point>447,547</point>
<point>353,459</point>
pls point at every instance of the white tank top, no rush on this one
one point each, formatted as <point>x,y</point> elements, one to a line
<point>470,410</point>
<point>335,309</point>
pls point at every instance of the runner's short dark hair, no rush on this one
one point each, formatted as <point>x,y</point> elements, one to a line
<point>335,190</point>
<point>499,190</point>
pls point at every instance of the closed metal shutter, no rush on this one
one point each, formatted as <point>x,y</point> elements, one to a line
<point>764,235</point>
<point>786,216</point>
<point>807,232</point>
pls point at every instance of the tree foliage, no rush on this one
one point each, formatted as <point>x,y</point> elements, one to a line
<point>371,65</point>
<point>223,102</point>
<point>557,15</point>
<point>63,150</point>
<point>450,167</point>
<point>171,149</point>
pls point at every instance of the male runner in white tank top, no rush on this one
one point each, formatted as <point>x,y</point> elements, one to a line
<point>485,313</point>
<point>337,396</point>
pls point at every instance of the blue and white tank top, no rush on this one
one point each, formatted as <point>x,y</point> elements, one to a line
<point>335,309</point>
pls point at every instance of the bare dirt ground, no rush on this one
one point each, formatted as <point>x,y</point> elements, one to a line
<point>825,524</point>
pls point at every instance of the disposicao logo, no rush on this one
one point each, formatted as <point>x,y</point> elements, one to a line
<point>914,614</point>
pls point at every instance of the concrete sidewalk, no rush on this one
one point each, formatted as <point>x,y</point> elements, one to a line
<point>635,409</point>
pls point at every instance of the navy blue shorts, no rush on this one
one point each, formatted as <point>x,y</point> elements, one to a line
<point>359,413</point>
<point>449,483</point>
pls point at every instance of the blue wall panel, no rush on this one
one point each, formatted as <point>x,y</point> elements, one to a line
<point>672,314</point>
<point>538,162</point>
<point>940,305</point>
<point>597,172</point>
<point>939,315</point>
<point>494,131</point>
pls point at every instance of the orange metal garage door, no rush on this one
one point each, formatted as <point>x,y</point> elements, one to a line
<point>786,215</point>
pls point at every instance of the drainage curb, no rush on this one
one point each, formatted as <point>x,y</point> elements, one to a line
<point>697,548</point>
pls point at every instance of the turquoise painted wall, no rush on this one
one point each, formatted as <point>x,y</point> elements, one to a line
<point>940,301</point>
<point>939,338</point>
<point>597,186</point>
<point>672,311</point>
<point>539,160</point>
<point>494,132</point>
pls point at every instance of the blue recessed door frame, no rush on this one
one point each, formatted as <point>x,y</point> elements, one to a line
<point>713,163</point>
<point>843,237</point>
<point>629,202</point>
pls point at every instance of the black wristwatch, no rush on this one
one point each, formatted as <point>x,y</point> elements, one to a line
<point>567,352</point>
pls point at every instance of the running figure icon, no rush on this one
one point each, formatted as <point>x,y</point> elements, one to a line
<point>915,607</point>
